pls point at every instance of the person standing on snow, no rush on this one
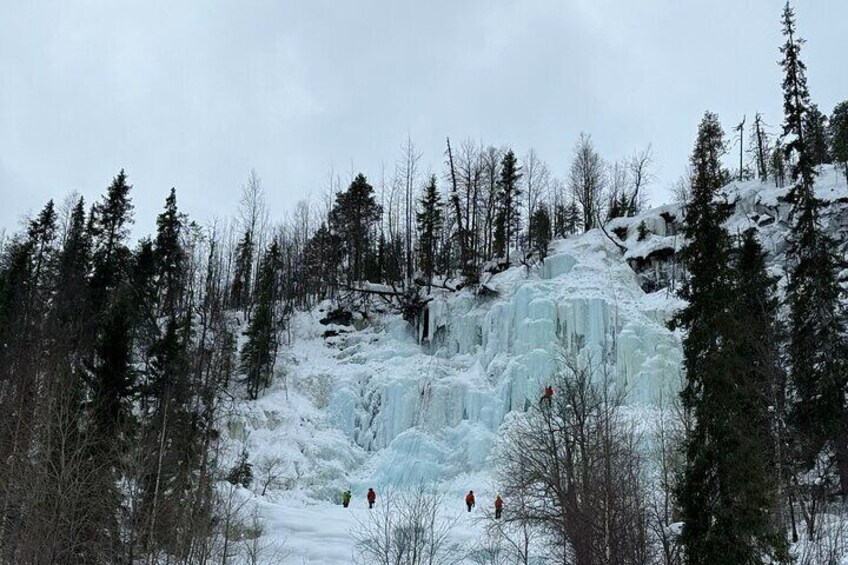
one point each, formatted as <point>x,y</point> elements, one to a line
<point>545,401</point>
<point>346,496</point>
<point>372,498</point>
<point>469,500</point>
<point>498,507</point>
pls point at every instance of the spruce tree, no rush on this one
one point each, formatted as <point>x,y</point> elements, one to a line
<point>708,534</point>
<point>839,135</point>
<point>756,408</point>
<point>573,218</point>
<point>169,269</point>
<point>258,354</point>
<point>71,303</point>
<point>109,228</point>
<point>243,275</point>
<point>352,219</point>
<point>567,219</point>
<point>322,257</point>
<point>430,220</point>
<point>541,231</point>
<point>27,280</point>
<point>112,377</point>
<point>169,426</point>
<point>42,236</point>
<point>170,257</point>
<point>817,317</point>
<point>816,134</point>
<point>144,297</point>
<point>508,218</point>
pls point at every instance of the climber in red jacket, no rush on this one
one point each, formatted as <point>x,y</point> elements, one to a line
<point>498,507</point>
<point>546,399</point>
<point>372,497</point>
<point>469,500</point>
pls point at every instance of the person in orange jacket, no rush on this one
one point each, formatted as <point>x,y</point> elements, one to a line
<point>469,500</point>
<point>372,498</point>
<point>498,507</point>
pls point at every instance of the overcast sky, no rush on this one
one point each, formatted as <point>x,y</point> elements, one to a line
<point>195,93</point>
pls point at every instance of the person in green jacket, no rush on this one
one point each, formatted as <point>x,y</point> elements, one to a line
<point>346,498</point>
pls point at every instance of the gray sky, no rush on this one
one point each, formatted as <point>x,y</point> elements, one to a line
<point>195,93</point>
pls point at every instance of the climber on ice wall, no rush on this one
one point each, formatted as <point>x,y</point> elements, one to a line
<point>547,397</point>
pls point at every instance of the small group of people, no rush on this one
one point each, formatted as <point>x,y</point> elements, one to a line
<point>470,502</point>
<point>371,497</point>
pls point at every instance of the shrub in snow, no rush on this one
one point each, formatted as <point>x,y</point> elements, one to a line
<point>242,473</point>
<point>642,230</point>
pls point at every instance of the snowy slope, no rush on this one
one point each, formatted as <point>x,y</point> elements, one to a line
<point>373,406</point>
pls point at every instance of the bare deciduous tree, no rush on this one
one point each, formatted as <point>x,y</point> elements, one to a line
<point>511,537</point>
<point>271,471</point>
<point>408,528</point>
<point>491,160</point>
<point>408,171</point>
<point>576,464</point>
<point>668,437</point>
<point>641,165</point>
<point>681,190</point>
<point>587,180</point>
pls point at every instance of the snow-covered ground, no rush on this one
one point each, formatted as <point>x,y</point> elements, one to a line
<point>378,406</point>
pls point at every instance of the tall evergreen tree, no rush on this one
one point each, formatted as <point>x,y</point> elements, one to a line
<point>322,255</point>
<point>705,494</point>
<point>258,354</point>
<point>26,288</point>
<point>109,227</point>
<point>566,219</point>
<point>73,269</point>
<point>352,219</point>
<point>573,219</point>
<point>756,409</point>
<point>170,256</point>
<point>816,132</point>
<point>508,218</point>
<point>817,317</point>
<point>169,427</point>
<point>839,135</point>
<point>112,378</point>
<point>541,231</point>
<point>243,275</point>
<point>143,295</point>
<point>796,104</point>
<point>430,221</point>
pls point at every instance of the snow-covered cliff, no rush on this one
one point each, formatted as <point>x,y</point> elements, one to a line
<point>380,403</point>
